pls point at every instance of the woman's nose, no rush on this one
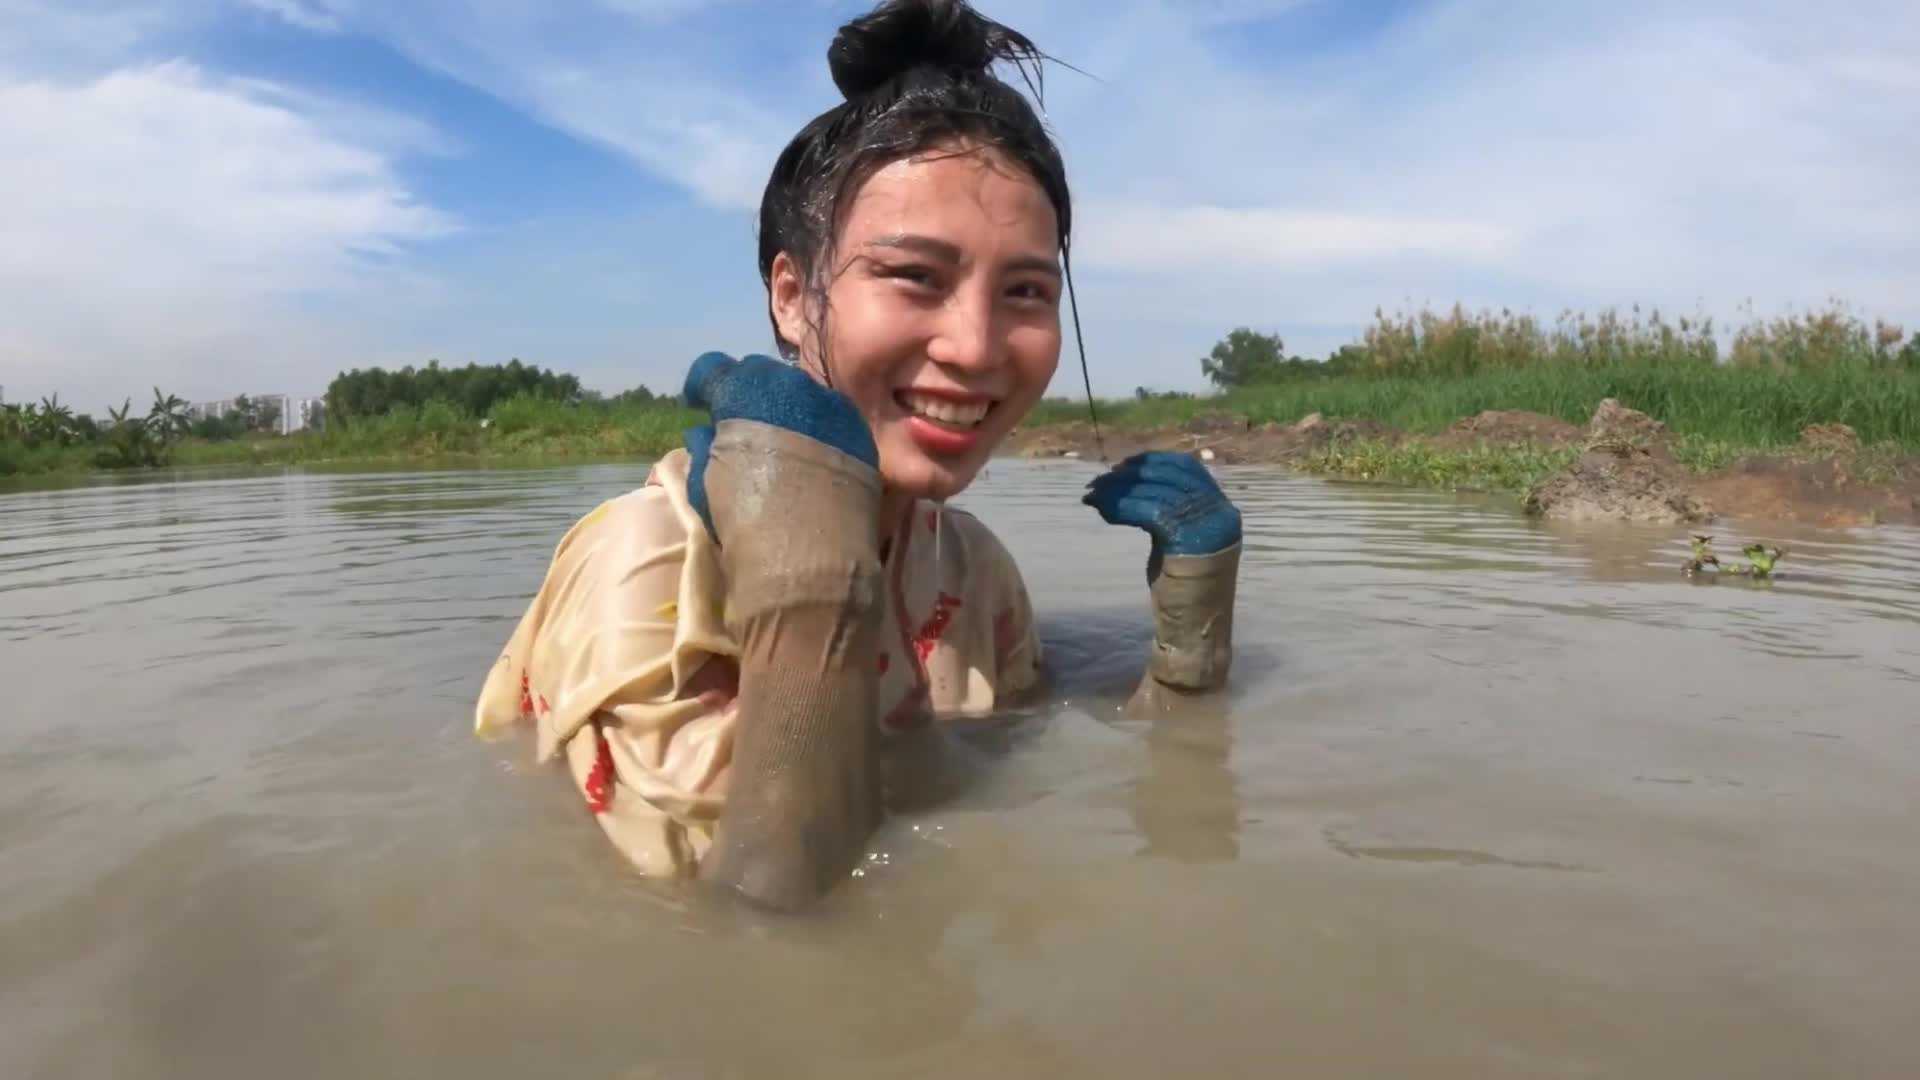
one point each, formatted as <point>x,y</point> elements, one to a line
<point>969,334</point>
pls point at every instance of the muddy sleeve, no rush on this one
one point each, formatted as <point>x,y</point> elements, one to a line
<point>1192,600</point>
<point>798,532</point>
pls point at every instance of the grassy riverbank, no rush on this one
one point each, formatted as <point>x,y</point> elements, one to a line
<point>519,429</point>
<point>1417,373</point>
<point>1743,407</point>
<point>526,429</point>
<point>1720,413</point>
<point>1510,470</point>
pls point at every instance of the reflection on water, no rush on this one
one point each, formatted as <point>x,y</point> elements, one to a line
<point>1488,798</point>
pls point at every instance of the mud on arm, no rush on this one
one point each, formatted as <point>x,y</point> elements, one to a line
<point>1192,651</point>
<point>792,494</point>
<point>1193,569</point>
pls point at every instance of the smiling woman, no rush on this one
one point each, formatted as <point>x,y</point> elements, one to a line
<point>721,654</point>
<point>945,315</point>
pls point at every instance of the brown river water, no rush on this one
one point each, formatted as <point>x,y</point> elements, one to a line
<point>1489,798</point>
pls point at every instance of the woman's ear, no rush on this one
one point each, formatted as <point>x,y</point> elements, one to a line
<point>787,298</point>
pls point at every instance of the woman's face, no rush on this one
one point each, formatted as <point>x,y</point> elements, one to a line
<point>942,316</point>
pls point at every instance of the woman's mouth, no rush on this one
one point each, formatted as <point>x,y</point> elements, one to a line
<point>942,425</point>
<point>958,415</point>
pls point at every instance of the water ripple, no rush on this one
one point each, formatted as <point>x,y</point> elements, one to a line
<point>235,757</point>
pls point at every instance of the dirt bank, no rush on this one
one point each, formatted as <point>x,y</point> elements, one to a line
<point>1620,466</point>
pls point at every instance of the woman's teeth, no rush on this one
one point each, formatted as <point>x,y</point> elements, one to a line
<point>946,412</point>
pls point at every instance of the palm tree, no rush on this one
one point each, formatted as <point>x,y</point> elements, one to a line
<point>53,425</point>
<point>168,418</point>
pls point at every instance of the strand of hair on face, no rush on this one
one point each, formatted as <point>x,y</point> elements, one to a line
<point>1066,256</point>
<point>1066,259</point>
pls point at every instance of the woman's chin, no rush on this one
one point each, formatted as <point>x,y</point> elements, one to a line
<point>911,470</point>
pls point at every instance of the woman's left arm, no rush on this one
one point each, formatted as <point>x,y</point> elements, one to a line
<point>1193,568</point>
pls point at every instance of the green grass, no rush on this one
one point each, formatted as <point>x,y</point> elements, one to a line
<point>18,459</point>
<point>1417,372</point>
<point>1495,469</point>
<point>520,429</point>
<point>1719,414</point>
<point>1739,406</point>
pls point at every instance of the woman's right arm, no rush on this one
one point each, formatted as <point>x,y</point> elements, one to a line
<point>787,481</point>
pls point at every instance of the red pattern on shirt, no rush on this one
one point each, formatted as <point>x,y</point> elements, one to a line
<point>599,785</point>
<point>935,627</point>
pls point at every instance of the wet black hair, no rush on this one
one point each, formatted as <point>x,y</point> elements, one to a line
<point>915,74</point>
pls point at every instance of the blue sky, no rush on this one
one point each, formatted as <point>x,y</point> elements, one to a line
<point>247,196</point>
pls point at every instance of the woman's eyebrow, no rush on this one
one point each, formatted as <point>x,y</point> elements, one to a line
<point>950,253</point>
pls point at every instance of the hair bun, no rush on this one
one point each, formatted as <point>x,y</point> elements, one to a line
<point>901,35</point>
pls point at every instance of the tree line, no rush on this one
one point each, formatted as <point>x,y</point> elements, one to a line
<point>1426,343</point>
<point>473,390</point>
<point>126,440</point>
<point>1458,342</point>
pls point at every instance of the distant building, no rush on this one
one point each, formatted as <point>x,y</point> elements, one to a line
<point>302,414</point>
<point>207,410</point>
<point>293,413</point>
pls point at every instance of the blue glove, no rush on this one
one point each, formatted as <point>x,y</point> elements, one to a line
<point>764,389</point>
<point>1171,496</point>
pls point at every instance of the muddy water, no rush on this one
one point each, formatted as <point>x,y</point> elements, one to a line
<point>1489,799</point>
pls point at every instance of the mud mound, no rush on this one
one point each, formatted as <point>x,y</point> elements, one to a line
<point>1218,438</point>
<point>1076,440</point>
<point>1507,428</point>
<point>1830,439</point>
<point>1215,438</point>
<point>1207,424</point>
<point>1614,426</point>
<point>1625,471</point>
<point>1314,431</point>
<point>1618,483</point>
<point>1365,428</point>
<point>1827,491</point>
<point>1056,441</point>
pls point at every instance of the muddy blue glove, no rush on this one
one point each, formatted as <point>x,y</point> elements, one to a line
<point>788,482</point>
<point>760,388</point>
<point>1193,566</point>
<point>1171,496</point>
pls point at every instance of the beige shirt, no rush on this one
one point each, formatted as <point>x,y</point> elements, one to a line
<point>622,661</point>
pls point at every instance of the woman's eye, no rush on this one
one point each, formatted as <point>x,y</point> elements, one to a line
<point>918,275</point>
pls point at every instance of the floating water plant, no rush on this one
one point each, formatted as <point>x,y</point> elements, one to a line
<point>1703,555</point>
<point>1761,560</point>
<point>1759,564</point>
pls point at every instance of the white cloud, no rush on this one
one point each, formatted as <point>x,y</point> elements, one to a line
<point>297,13</point>
<point>370,127</point>
<point>161,218</point>
<point>1278,163</point>
<point>1540,156</point>
<point>1878,69</point>
<point>687,103</point>
<point>656,10</point>
<point>1157,238</point>
<point>1232,12</point>
<point>63,36</point>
